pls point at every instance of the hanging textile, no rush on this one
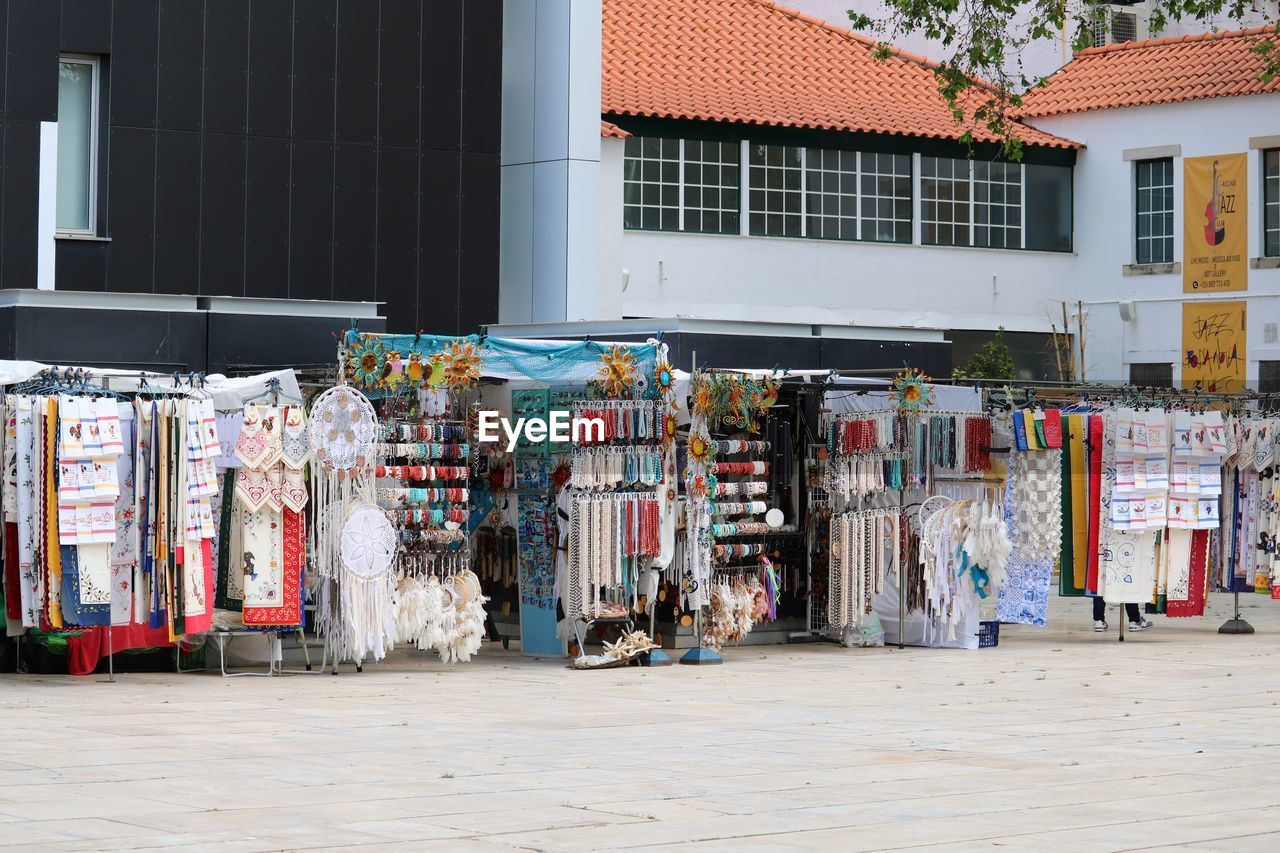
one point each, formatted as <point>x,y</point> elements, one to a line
<point>1197,578</point>
<point>1069,579</point>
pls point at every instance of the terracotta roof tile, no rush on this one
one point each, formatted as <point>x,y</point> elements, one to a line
<point>752,62</point>
<point>609,130</point>
<point>1160,71</point>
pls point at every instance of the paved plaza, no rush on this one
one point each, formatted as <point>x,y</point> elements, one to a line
<point>1059,739</point>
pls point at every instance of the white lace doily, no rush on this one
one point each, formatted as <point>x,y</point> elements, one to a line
<point>343,429</point>
<point>368,542</point>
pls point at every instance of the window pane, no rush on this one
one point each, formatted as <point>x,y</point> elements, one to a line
<point>75,132</point>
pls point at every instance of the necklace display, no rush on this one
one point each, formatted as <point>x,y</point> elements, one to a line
<point>865,546</point>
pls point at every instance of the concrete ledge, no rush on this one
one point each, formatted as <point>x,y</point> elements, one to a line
<point>1155,152</point>
<point>1264,263</point>
<point>1174,268</point>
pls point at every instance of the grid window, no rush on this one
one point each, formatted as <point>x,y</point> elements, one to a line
<point>944,201</point>
<point>651,184</point>
<point>831,184</point>
<point>1154,210</point>
<point>997,205</point>
<point>775,197</point>
<point>1151,374</point>
<point>1271,203</point>
<point>886,197</point>
<point>711,190</point>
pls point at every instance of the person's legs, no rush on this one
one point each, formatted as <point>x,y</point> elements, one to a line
<point>1099,609</point>
<point>1133,613</point>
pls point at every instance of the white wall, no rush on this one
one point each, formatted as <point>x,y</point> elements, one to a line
<point>785,279</point>
<point>1104,225</point>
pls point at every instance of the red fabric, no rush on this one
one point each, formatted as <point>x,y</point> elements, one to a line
<point>1194,605</point>
<point>1094,442</point>
<point>84,651</point>
<point>289,613</point>
<point>12,594</point>
<point>1053,429</point>
<point>198,623</point>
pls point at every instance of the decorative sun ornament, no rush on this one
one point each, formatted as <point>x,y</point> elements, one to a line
<point>701,448</point>
<point>367,362</point>
<point>461,362</point>
<point>704,399</point>
<point>912,391</point>
<point>617,372</point>
<point>663,379</point>
<point>668,429</point>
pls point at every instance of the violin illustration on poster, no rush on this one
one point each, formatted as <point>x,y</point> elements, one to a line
<point>1215,228</point>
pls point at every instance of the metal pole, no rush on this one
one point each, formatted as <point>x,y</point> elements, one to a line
<point>1236,625</point>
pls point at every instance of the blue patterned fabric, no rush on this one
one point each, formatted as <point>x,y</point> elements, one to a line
<point>1024,597</point>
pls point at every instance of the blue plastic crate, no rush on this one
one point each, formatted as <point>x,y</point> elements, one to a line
<point>988,635</point>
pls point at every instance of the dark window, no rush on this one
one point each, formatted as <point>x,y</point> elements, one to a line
<point>997,205</point>
<point>1048,205</point>
<point>886,197</point>
<point>831,194</point>
<point>1271,203</point>
<point>944,201</point>
<point>1154,211</point>
<point>775,197</point>
<point>711,187</point>
<point>1151,375</point>
<point>1269,377</point>
<point>651,184</point>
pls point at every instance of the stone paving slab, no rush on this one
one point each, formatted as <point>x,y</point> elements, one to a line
<point>1059,739</point>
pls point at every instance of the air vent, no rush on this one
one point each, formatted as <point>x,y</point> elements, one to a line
<point>1151,375</point>
<point>1124,27</point>
<point>1269,377</point>
<point>1270,335</point>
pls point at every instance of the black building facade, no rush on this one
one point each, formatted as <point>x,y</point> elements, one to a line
<point>318,150</point>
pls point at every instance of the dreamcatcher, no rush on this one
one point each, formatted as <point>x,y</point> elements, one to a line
<point>367,551</point>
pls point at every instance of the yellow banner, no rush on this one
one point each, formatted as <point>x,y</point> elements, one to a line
<point>1215,230</point>
<point>1213,346</point>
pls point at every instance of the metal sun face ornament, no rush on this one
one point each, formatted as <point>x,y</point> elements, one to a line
<point>461,362</point>
<point>617,373</point>
<point>367,361</point>
<point>912,391</point>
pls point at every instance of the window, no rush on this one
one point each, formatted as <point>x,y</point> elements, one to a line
<point>1269,377</point>
<point>831,181</point>
<point>886,197</point>
<point>1155,211</point>
<point>775,196</point>
<point>1151,375</point>
<point>1271,203</point>
<point>681,185</point>
<point>997,205</point>
<point>1047,208</point>
<point>651,183</point>
<point>711,203</point>
<point>944,201</point>
<point>77,144</point>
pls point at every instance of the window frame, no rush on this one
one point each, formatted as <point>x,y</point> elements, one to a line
<point>91,177</point>
<point>1152,213</point>
<point>764,169</point>
<point>971,182</point>
<point>1270,199</point>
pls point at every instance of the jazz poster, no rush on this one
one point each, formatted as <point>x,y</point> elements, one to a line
<point>1213,346</point>
<point>1215,231</point>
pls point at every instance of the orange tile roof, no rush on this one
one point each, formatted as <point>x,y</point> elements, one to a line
<point>609,130</point>
<point>753,62</point>
<point>1160,71</point>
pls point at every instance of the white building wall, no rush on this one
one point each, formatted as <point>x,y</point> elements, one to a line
<point>830,282</point>
<point>1104,226</point>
